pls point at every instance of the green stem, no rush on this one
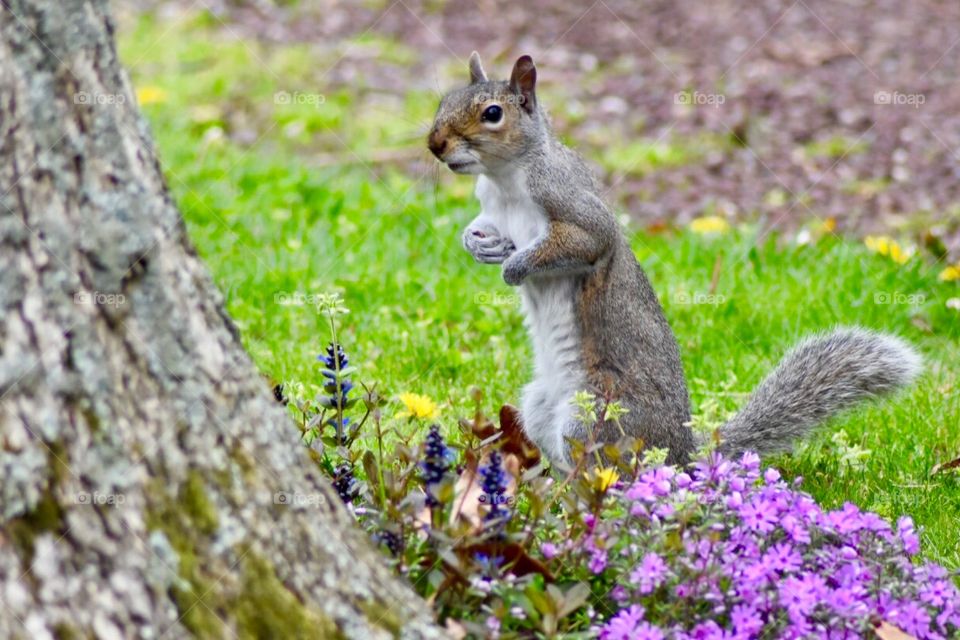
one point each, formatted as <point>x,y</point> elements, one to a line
<point>336,365</point>
<point>383,489</point>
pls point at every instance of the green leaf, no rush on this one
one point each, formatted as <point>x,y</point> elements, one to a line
<point>330,441</point>
<point>575,597</point>
<point>543,603</point>
<point>373,475</point>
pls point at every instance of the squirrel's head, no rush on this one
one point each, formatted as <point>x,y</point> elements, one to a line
<point>488,124</point>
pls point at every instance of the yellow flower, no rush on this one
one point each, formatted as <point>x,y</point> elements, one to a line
<point>603,479</point>
<point>150,95</point>
<point>887,246</point>
<point>418,406</point>
<point>709,224</point>
<point>828,226</point>
<point>950,274</point>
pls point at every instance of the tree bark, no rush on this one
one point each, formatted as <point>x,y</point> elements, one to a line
<point>140,451</point>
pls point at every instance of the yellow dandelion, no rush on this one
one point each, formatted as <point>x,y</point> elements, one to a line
<point>887,246</point>
<point>828,226</point>
<point>418,406</point>
<point>603,479</point>
<point>151,95</point>
<point>709,224</point>
<point>878,244</point>
<point>950,274</point>
<point>898,255</point>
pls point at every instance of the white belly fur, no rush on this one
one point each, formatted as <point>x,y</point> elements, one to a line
<point>549,318</point>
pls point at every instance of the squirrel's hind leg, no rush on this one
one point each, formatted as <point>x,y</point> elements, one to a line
<point>538,418</point>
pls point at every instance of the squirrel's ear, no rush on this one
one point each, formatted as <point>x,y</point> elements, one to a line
<point>523,81</point>
<point>477,74</point>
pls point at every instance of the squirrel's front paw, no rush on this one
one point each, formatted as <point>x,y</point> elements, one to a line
<point>514,270</point>
<point>487,246</point>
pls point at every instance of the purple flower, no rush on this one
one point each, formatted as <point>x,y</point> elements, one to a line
<point>549,550</point>
<point>939,592</point>
<point>646,631</point>
<point>800,595</point>
<point>746,621</point>
<point>649,574</point>
<point>795,529</point>
<point>623,625</point>
<point>912,618</point>
<point>437,460</point>
<point>493,481</point>
<point>759,515</point>
<point>783,558</point>
<point>709,631</point>
<point>908,535</point>
<point>345,483</point>
<point>598,562</point>
<point>847,520</point>
<point>620,594</point>
<point>750,461</point>
<point>848,602</point>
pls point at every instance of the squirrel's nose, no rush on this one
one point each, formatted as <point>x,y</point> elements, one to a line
<point>437,143</point>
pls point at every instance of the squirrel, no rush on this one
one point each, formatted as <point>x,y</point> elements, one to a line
<point>594,319</point>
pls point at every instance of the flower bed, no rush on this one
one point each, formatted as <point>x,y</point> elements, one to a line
<point>723,551</point>
<point>630,550</point>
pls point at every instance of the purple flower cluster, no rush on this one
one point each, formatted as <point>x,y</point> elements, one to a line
<point>493,482</point>
<point>725,551</point>
<point>437,460</point>
<point>337,383</point>
<point>346,483</point>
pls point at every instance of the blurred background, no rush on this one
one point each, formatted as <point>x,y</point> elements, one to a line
<point>778,111</point>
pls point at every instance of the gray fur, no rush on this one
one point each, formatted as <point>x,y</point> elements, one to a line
<point>819,377</point>
<point>594,319</point>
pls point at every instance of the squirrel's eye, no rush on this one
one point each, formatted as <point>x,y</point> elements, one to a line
<point>492,114</point>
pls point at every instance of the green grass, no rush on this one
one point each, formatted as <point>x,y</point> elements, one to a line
<point>272,223</point>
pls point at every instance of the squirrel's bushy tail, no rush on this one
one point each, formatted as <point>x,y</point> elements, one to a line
<point>822,375</point>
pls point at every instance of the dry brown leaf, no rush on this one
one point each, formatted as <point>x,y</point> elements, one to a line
<point>456,630</point>
<point>921,323</point>
<point>945,466</point>
<point>514,440</point>
<point>515,557</point>
<point>887,631</point>
<point>657,227</point>
<point>480,426</point>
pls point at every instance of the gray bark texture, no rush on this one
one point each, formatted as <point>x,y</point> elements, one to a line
<point>141,453</point>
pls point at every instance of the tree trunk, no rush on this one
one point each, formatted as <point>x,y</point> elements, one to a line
<point>140,451</point>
